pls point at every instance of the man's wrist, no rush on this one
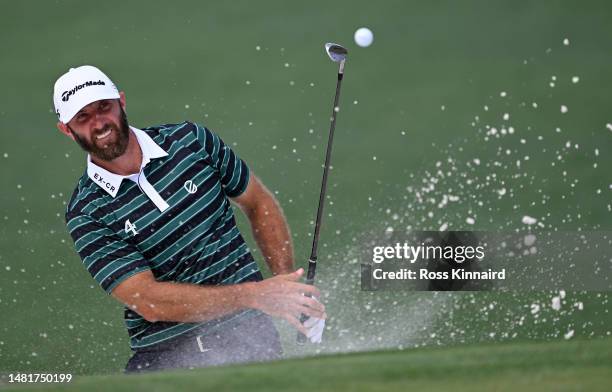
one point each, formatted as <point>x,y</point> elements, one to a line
<point>246,295</point>
<point>283,268</point>
<point>282,271</point>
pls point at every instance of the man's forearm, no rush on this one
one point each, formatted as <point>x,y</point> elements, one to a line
<point>280,296</point>
<point>184,302</point>
<point>272,235</point>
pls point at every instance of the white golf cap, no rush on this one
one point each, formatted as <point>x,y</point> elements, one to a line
<point>78,88</point>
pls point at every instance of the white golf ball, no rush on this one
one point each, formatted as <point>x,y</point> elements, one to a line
<point>364,37</point>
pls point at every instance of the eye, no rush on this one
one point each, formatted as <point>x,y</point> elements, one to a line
<point>105,105</point>
<point>81,117</point>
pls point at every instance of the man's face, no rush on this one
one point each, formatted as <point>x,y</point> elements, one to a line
<point>101,129</point>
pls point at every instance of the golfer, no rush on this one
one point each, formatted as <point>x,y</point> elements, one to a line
<point>153,223</point>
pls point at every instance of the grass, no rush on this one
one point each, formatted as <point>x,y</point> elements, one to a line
<point>526,366</point>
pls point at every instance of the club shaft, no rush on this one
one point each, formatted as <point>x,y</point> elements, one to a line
<point>312,262</point>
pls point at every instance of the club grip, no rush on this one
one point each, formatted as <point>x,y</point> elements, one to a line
<point>312,265</point>
<point>301,338</point>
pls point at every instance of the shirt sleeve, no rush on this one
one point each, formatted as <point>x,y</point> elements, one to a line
<point>233,171</point>
<point>106,256</point>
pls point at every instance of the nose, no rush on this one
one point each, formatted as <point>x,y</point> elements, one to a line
<point>98,122</point>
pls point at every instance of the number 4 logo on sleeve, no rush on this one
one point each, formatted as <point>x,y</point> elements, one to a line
<point>130,227</point>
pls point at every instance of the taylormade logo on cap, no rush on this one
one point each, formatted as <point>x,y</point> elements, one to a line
<point>66,94</point>
<point>78,88</point>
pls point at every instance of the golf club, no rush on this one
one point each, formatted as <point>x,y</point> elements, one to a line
<point>337,54</point>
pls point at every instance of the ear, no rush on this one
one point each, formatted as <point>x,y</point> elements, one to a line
<point>122,100</point>
<point>63,128</point>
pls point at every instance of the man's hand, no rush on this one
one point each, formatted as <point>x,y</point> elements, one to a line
<point>315,327</point>
<point>283,296</point>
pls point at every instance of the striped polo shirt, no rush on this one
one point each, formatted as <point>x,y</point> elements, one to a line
<point>174,218</point>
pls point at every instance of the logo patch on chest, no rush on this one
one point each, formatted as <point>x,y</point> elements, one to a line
<point>190,187</point>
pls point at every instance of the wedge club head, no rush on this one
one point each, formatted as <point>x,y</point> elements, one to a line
<point>336,53</point>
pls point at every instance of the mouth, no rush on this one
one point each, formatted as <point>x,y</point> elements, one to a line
<point>104,134</point>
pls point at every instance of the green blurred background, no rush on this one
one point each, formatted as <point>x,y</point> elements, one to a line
<point>416,109</point>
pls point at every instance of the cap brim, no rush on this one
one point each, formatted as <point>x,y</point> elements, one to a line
<point>69,113</point>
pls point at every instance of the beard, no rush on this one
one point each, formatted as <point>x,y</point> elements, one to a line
<point>108,150</point>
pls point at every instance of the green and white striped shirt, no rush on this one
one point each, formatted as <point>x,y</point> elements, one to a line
<point>174,219</point>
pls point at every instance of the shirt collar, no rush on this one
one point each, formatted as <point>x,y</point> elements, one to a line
<point>109,181</point>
